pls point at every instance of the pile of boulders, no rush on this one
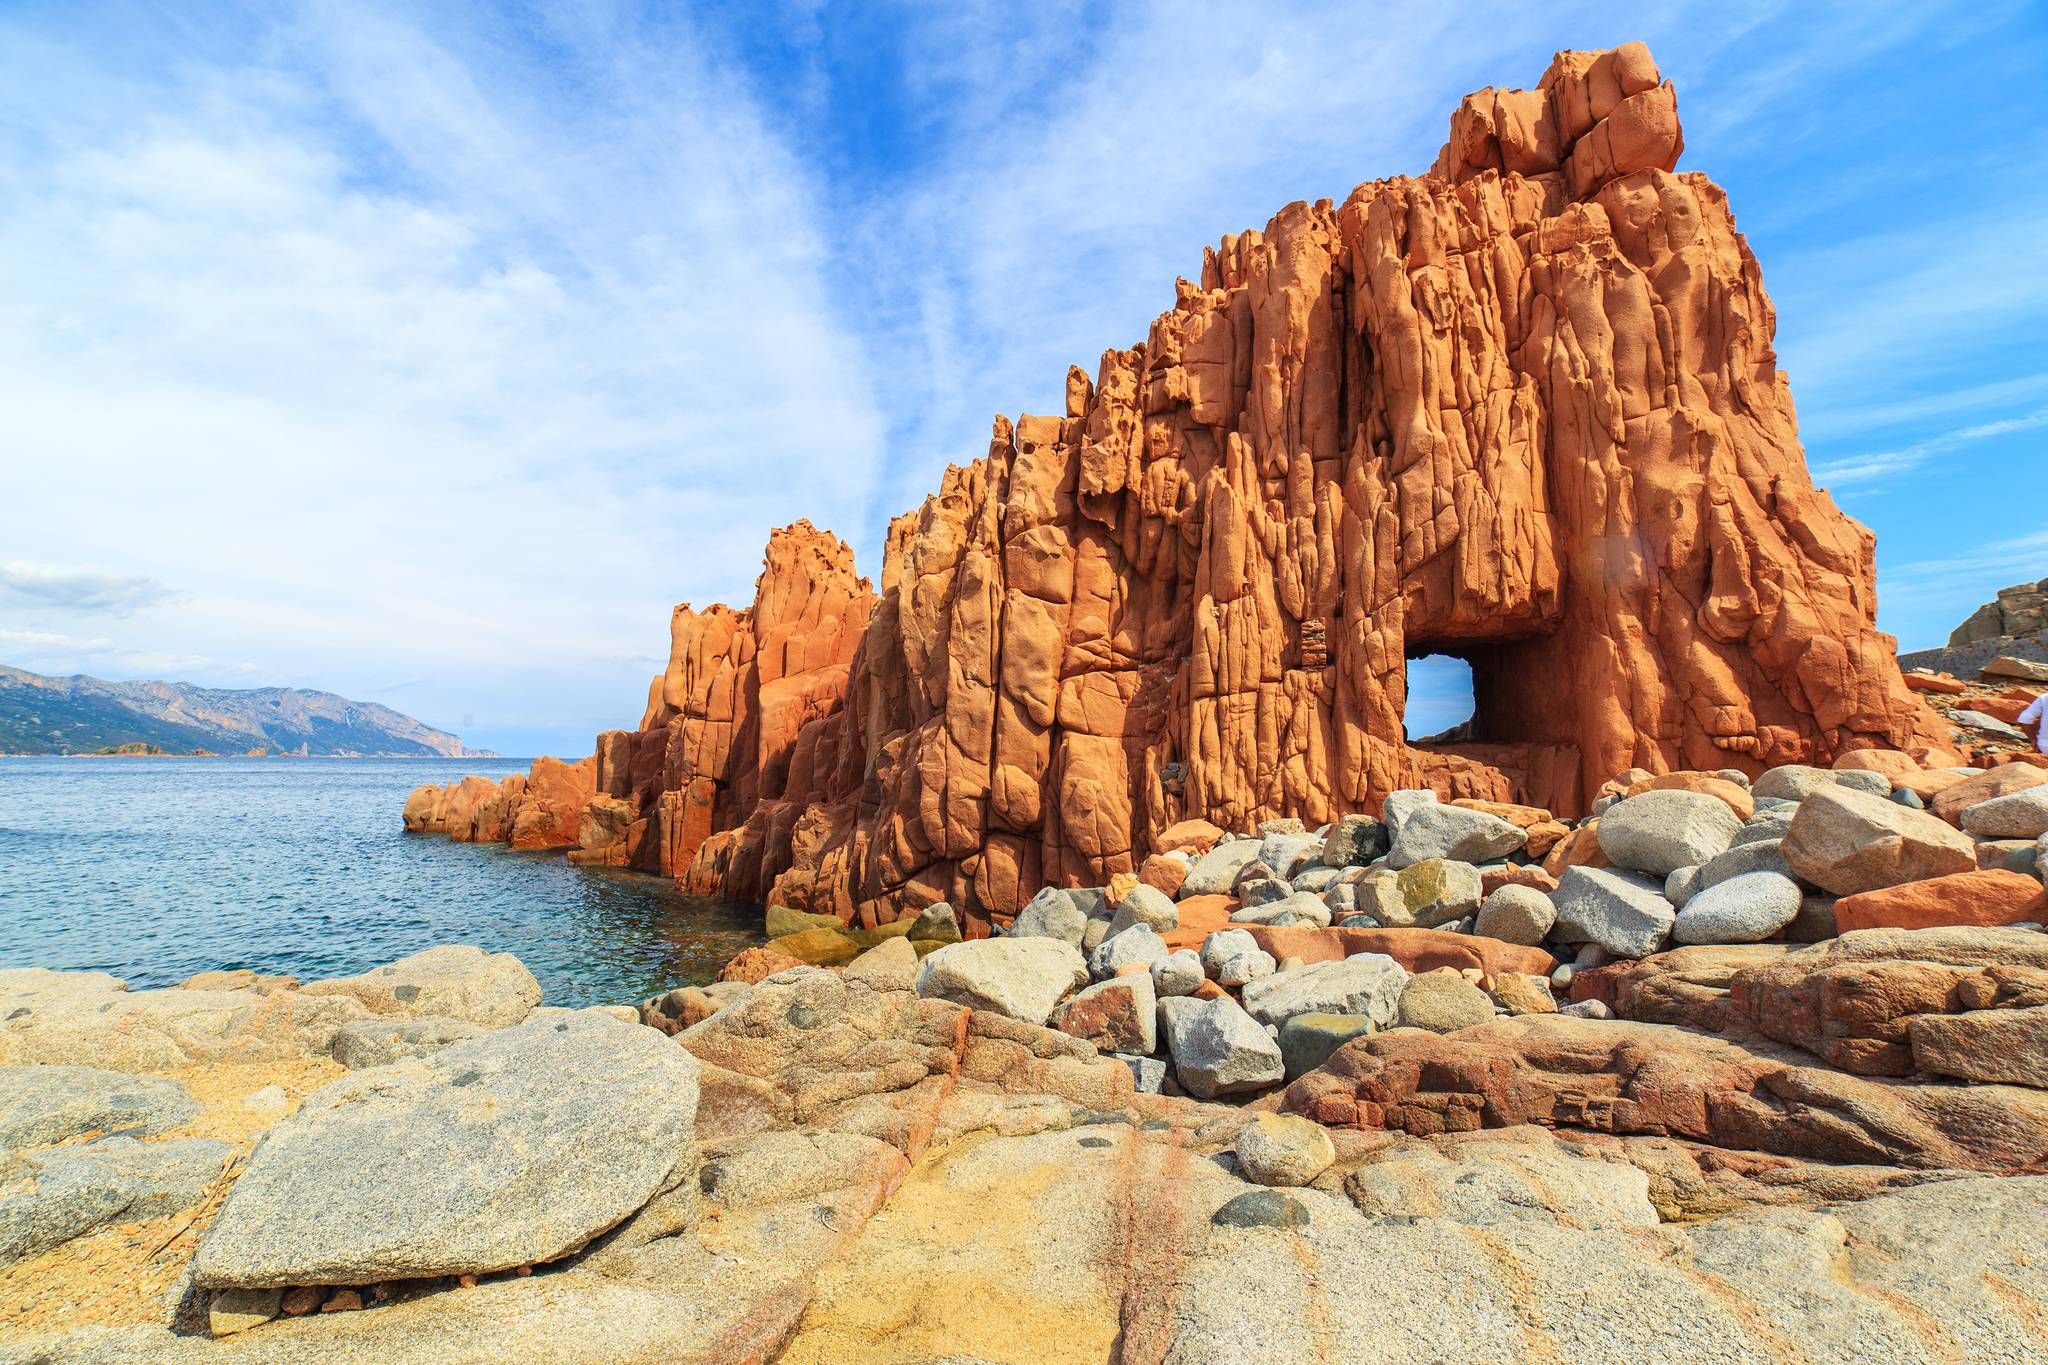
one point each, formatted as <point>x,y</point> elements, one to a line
<point>1228,965</point>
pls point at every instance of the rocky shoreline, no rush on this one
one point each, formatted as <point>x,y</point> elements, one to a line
<point>1593,1105</point>
<point>1694,1008</point>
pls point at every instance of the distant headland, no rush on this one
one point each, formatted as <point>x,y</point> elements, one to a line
<point>93,717</point>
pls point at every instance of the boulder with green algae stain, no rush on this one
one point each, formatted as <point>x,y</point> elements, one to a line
<point>819,947</point>
<point>1307,1040</point>
<point>782,921</point>
<point>1437,891</point>
<point>828,941</point>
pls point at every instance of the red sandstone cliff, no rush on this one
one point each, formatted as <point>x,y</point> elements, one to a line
<point>1523,409</point>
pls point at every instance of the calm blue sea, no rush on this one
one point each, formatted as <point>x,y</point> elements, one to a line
<point>156,868</point>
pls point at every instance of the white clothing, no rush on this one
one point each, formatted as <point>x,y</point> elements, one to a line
<point>2037,714</point>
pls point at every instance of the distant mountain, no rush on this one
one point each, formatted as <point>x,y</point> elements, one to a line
<point>82,715</point>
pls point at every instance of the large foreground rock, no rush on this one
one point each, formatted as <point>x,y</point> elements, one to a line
<point>514,1148</point>
<point>91,1019</point>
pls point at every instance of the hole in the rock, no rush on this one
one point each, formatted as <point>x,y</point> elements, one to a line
<point>1441,701</point>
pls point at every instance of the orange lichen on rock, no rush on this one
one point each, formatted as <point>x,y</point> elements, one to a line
<point>1523,409</point>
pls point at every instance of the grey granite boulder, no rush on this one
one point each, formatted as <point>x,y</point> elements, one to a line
<point>1846,841</point>
<point>1262,891</point>
<point>1287,853</point>
<point>1433,830</point>
<point>455,981</point>
<point>1179,973</point>
<point>1295,908</point>
<point>1316,877</point>
<point>1442,1002</point>
<point>1625,914</point>
<point>1137,946</point>
<point>48,1198</point>
<point>1748,908</point>
<point>1146,905</point>
<point>1051,914</point>
<point>44,1104</point>
<point>1396,807</point>
<point>1425,895</point>
<point>1659,832</point>
<point>1758,855</point>
<point>1766,825</point>
<point>1216,872</point>
<point>1219,947</point>
<point>1365,984</point>
<point>1516,914</point>
<point>510,1149</point>
<point>1245,968</point>
<point>1792,782</point>
<point>1217,1048</point>
<point>2018,815</point>
<point>1020,978</point>
<point>1283,1149</point>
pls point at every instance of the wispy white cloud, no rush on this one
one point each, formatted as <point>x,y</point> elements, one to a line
<point>1845,422</point>
<point>79,589</point>
<point>1870,468</point>
<point>44,641</point>
<point>406,336</point>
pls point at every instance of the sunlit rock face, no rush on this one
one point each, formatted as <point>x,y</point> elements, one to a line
<point>1523,410</point>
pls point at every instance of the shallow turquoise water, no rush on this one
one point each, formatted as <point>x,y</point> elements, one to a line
<point>156,868</point>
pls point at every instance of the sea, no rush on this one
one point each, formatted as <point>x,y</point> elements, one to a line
<point>156,868</point>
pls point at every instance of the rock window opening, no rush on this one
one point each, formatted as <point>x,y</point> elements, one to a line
<point>1442,706</point>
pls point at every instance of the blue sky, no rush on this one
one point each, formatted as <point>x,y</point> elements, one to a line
<point>427,353</point>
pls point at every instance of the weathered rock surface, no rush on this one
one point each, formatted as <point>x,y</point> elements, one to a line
<point>1442,1002</point>
<point>1662,831</point>
<point>1019,978</point>
<point>45,1104</point>
<point>1282,1149</point>
<point>1613,1076</point>
<point>1189,596</point>
<point>1217,1048</point>
<point>48,1198</point>
<point>1855,1001</point>
<point>1623,913</point>
<point>1745,909</point>
<point>91,1019</point>
<point>451,982</point>
<point>1368,985</point>
<point>1848,841</point>
<point>458,1162</point>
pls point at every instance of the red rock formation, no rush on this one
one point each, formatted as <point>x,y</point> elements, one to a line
<point>1523,409</point>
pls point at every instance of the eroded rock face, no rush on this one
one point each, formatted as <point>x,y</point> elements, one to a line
<point>1523,409</point>
<point>1622,1078</point>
